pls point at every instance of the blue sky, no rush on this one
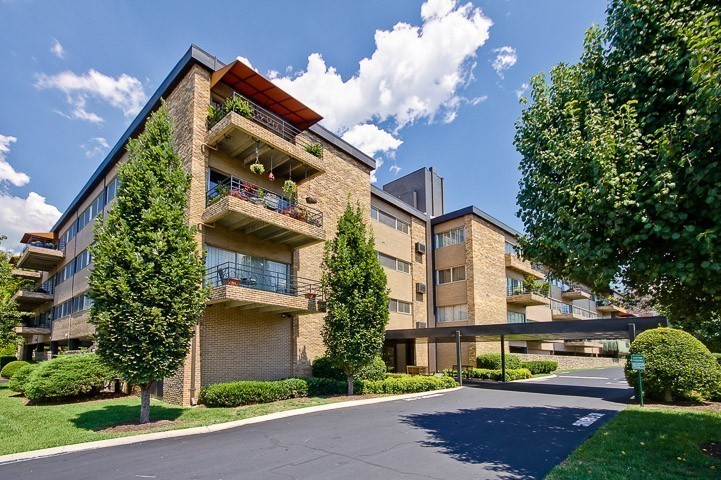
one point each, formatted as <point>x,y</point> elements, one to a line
<point>438,87</point>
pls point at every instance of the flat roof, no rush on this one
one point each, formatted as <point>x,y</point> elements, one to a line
<point>397,202</point>
<point>600,329</point>
<point>473,210</point>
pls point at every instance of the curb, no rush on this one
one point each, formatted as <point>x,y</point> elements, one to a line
<point>145,437</point>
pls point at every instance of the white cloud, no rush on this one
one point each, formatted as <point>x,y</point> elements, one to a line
<point>246,61</point>
<point>394,169</point>
<point>522,91</point>
<point>57,49</point>
<point>414,73</point>
<point>371,140</point>
<point>124,92</point>
<point>95,147</point>
<point>379,164</point>
<point>505,58</point>
<point>476,100</point>
<point>7,172</point>
<point>19,215</point>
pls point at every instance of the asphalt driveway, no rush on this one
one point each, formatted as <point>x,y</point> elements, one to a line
<point>510,431</point>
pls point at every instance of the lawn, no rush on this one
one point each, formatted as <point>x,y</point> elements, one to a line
<point>24,428</point>
<point>647,443</point>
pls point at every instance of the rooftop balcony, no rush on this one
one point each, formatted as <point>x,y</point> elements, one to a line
<point>242,206</point>
<point>526,297</point>
<point>610,306</point>
<point>248,132</point>
<point>564,311</point>
<point>576,292</point>
<point>41,252</point>
<point>249,288</point>
<point>515,263</point>
<point>31,299</point>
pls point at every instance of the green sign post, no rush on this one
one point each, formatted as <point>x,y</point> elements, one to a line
<point>638,363</point>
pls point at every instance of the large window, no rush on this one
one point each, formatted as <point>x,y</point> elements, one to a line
<point>511,248</point>
<point>74,305</point>
<point>450,275</point>
<point>111,190</point>
<point>453,313</point>
<point>515,317</point>
<point>68,235</point>
<point>394,263</point>
<point>399,306</point>
<point>389,220</point>
<point>451,237</point>
<point>66,272</point>
<point>91,212</point>
<point>82,260</point>
<point>225,266</point>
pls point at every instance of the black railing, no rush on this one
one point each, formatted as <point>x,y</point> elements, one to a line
<point>47,288</point>
<point>250,192</point>
<point>39,321</point>
<point>523,290</point>
<point>607,302</point>
<point>231,273</point>
<point>272,122</point>
<point>567,309</point>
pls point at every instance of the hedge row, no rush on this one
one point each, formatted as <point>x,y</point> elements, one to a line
<point>405,384</point>
<point>492,361</point>
<point>9,369</point>
<point>20,379</point>
<point>324,367</point>
<point>489,374</point>
<point>540,366</point>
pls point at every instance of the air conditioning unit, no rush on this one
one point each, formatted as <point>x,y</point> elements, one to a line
<point>420,247</point>
<point>420,324</point>
<point>420,288</point>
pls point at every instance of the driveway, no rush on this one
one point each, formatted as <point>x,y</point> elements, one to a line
<point>483,431</point>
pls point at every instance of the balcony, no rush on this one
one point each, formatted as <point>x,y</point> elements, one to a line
<point>610,306</point>
<point>576,292</point>
<point>244,207</point>
<point>250,288</point>
<point>33,275</point>
<point>563,311</point>
<point>38,325</point>
<point>513,262</point>
<point>527,297</point>
<point>31,299</point>
<point>248,132</point>
<point>41,252</point>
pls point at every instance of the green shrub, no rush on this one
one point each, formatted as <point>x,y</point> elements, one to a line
<point>540,366</point>
<point>492,361</point>
<point>315,149</point>
<point>323,367</point>
<point>68,376</point>
<point>677,366</point>
<point>491,374</point>
<point>20,378</point>
<point>717,356</point>
<point>9,370</point>
<point>407,384</point>
<point>326,386</point>
<point>4,360</point>
<point>235,394</point>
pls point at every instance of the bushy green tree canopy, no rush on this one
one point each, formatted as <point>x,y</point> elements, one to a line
<point>620,157</point>
<point>147,279</point>
<point>356,294</point>
<point>9,313</point>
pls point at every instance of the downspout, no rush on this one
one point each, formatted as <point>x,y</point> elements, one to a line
<point>193,355</point>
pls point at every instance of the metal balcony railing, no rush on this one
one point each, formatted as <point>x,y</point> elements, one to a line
<point>273,123</point>
<point>607,302</point>
<point>248,191</point>
<point>523,290</point>
<point>567,309</point>
<point>43,243</point>
<point>44,320</point>
<point>231,273</point>
<point>577,288</point>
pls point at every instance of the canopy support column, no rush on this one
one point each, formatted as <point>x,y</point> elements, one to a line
<point>503,359</point>
<point>458,357</point>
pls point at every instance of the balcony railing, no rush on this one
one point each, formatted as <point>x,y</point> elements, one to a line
<point>44,243</point>
<point>607,302</point>
<point>39,321</point>
<point>234,274</point>
<point>269,120</point>
<point>567,309</point>
<point>512,290</point>
<point>250,192</point>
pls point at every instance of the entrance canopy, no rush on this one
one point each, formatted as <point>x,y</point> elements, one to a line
<point>601,329</point>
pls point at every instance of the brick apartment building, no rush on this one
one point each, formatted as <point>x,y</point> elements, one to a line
<point>264,250</point>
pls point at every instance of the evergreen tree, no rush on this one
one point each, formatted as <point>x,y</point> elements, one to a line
<point>147,280</point>
<point>357,296</point>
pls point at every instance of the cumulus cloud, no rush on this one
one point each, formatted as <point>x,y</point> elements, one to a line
<point>476,100</point>
<point>505,58</point>
<point>371,140</point>
<point>57,49</point>
<point>7,172</point>
<point>95,147</point>
<point>124,92</point>
<point>414,73</point>
<point>522,91</point>
<point>19,215</point>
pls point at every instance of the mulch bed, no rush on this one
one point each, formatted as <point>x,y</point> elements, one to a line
<point>712,449</point>
<point>134,426</point>
<point>687,405</point>
<point>80,399</point>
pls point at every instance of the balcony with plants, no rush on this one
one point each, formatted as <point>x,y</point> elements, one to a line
<point>528,293</point>
<point>247,287</point>
<point>576,292</point>
<point>41,252</point>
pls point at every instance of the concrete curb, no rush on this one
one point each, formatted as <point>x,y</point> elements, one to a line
<point>145,437</point>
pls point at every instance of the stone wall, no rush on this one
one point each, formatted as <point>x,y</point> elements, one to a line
<point>568,362</point>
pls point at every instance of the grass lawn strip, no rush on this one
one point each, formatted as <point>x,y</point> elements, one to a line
<point>647,444</point>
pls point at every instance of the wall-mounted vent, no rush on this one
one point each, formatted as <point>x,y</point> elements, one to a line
<point>420,247</point>
<point>420,288</point>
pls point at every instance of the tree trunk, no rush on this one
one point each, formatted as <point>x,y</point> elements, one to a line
<point>145,402</point>
<point>350,384</point>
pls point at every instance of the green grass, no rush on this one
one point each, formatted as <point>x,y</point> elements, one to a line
<point>25,428</point>
<point>646,444</point>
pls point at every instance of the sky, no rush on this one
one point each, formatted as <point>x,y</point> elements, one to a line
<point>413,84</point>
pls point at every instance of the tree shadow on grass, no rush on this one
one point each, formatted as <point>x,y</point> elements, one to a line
<point>111,415</point>
<point>516,442</point>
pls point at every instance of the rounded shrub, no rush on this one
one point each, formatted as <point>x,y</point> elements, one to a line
<point>235,394</point>
<point>540,366</point>
<point>324,367</point>
<point>68,376</point>
<point>5,359</point>
<point>20,378</point>
<point>492,361</point>
<point>677,366</point>
<point>9,370</point>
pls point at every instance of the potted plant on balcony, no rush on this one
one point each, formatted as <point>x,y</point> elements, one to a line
<point>215,114</point>
<point>290,188</point>
<point>315,149</point>
<point>257,168</point>
<point>239,105</point>
<point>259,198</point>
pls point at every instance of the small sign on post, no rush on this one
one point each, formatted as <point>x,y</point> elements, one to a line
<point>638,363</point>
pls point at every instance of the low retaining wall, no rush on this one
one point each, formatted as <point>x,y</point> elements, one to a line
<point>568,362</point>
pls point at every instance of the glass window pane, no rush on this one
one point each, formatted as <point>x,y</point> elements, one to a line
<point>459,273</point>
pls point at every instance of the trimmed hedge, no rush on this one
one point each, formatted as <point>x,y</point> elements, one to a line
<point>68,376</point>
<point>4,360</point>
<point>540,366</point>
<point>323,367</point>
<point>492,361</point>
<point>235,394</point>
<point>407,384</point>
<point>20,379</point>
<point>677,366</point>
<point>9,370</point>
<point>492,374</point>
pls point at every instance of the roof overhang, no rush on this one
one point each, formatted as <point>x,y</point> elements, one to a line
<point>32,235</point>
<point>265,93</point>
<point>601,329</point>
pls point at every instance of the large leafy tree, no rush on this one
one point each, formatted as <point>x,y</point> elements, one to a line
<point>620,157</point>
<point>147,280</point>
<point>357,296</point>
<point>9,313</point>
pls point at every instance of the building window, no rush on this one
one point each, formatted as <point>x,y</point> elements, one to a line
<point>249,271</point>
<point>76,304</point>
<point>451,237</point>
<point>394,263</point>
<point>389,220</point>
<point>66,272</point>
<point>450,275</point>
<point>82,260</point>
<point>91,212</point>
<point>454,313</point>
<point>68,235</point>
<point>511,249</point>
<point>399,306</point>
<point>111,190</point>
<point>515,317</point>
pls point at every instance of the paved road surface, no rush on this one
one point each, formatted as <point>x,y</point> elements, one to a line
<point>518,431</point>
